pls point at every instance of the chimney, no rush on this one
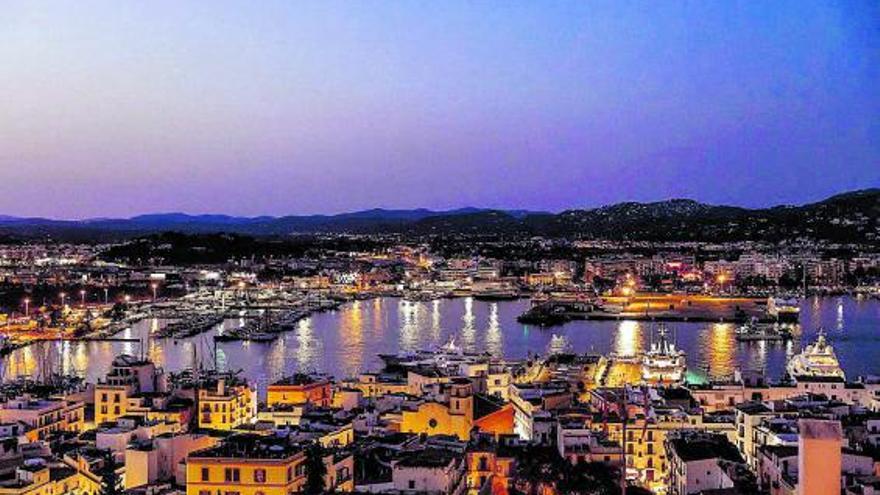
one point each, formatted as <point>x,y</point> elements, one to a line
<point>819,457</point>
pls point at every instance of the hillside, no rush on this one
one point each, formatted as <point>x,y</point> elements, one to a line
<point>848,217</point>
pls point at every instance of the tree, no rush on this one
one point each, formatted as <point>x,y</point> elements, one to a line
<point>111,483</point>
<point>315,469</point>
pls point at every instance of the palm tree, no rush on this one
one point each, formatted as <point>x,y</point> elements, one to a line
<point>315,469</point>
<point>111,483</point>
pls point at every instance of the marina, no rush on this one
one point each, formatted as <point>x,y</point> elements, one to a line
<point>348,340</point>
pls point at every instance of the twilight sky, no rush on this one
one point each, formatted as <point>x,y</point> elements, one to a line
<point>118,108</point>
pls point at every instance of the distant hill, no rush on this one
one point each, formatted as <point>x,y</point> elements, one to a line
<point>848,217</point>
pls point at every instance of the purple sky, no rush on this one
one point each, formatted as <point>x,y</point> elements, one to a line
<point>118,108</point>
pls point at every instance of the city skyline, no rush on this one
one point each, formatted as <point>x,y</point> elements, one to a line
<point>119,109</point>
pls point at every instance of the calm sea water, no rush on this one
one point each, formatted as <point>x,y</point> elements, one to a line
<point>347,341</point>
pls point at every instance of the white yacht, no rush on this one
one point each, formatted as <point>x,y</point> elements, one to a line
<point>783,310</point>
<point>817,360</point>
<point>663,363</point>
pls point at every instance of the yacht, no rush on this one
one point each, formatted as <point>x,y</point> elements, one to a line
<point>663,363</point>
<point>817,360</point>
<point>494,291</point>
<point>754,331</point>
<point>448,354</point>
<point>783,310</point>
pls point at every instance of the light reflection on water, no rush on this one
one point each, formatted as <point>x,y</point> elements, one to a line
<point>468,330</point>
<point>628,341</point>
<point>494,342</point>
<point>718,350</point>
<point>346,341</point>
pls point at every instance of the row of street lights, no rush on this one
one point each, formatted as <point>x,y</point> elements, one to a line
<point>82,294</point>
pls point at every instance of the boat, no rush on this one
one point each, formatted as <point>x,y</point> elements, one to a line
<point>559,345</point>
<point>448,354</point>
<point>754,332</point>
<point>663,363</point>
<point>783,310</point>
<point>494,291</point>
<point>262,337</point>
<point>817,360</point>
<point>544,315</point>
<point>418,296</point>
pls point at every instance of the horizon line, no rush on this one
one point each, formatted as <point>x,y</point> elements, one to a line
<point>431,210</point>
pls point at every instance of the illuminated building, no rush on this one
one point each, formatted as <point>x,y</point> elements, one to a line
<point>128,376</point>
<point>531,405</point>
<point>248,465</point>
<point>300,389</point>
<point>36,477</point>
<point>254,465</point>
<point>159,458</point>
<point>43,417</point>
<point>578,442</point>
<point>819,457</point>
<point>223,406</point>
<point>647,429</point>
<point>378,385</point>
<point>491,461</point>
<point>430,471</point>
<point>116,436</point>
<point>701,462</point>
<point>497,421</point>
<point>160,406</point>
<point>453,415</point>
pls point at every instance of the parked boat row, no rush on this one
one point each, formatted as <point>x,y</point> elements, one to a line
<point>190,327</point>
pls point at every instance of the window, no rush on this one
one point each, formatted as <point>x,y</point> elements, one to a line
<point>300,470</point>
<point>232,475</point>
<point>103,397</point>
<point>289,475</point>
<point>204,492</point>
<point>412,484</point>
<point>432,423</point>
<point>206,474</point>
<point>115,409</point>
<point>116,398</point>
<point>259,475</point>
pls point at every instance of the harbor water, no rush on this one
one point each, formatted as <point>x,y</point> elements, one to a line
<point>346,341</point>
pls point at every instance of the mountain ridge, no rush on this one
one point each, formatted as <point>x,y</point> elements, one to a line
<point>849,215</point>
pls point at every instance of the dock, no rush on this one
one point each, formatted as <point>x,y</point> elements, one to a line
<point>652,307</point>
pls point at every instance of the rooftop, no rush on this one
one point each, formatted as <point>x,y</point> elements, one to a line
<point>428,458</point>
<point>696,448</point>
<point>250,446</point>
<point>301,379</point>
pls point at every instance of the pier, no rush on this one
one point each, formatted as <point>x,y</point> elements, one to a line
<point>651,307</point>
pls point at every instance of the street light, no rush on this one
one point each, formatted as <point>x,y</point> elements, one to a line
<point>27,306</point>
<point>127,300</point>
<point>82,296</point>
<point>106,295</point>
<point>154,286</point>
<point>62,296</point>
<point>721,279</point>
